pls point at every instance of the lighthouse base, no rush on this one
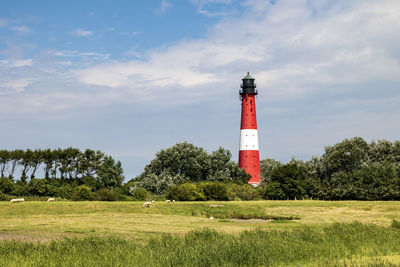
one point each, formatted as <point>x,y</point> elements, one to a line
<point>249,161</point>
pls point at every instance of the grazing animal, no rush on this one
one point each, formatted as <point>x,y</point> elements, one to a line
<point>173,201</point>
<point>147,204</point>
<point>153,201</point>
<point>167,201</point>
<point>51,200</point>
<point>17,200</point>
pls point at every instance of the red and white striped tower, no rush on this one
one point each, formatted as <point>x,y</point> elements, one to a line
<point>249,156</point>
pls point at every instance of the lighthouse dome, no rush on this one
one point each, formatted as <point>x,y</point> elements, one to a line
<point>248,85</point>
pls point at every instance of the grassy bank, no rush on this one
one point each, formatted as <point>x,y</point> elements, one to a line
<point>336,244</point>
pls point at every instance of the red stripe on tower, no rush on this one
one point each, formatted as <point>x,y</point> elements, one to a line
<point>249,157</point>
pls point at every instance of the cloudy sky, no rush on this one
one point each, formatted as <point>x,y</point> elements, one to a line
<point>132,77</point>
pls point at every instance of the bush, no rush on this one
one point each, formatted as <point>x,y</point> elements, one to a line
<point>272,190</point>
<point>185,192</point>
<point>6,185</point>
<point>214,190</point>
<point>65,191</point>
<point>244,192</point>
<point>3,197</point>
<point>140,194</point>
<point>107,195</point>
<point>82,192</point>
<point>20,189</point>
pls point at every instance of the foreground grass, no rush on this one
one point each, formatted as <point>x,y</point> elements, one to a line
<point>332,245</point>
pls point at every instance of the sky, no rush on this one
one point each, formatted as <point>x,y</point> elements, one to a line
<point>130,78</point>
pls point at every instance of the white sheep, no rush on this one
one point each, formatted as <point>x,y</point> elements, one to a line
<point>147,204</point>
<point>173,201</point>
<point>17,200</point>
<point>51,200</point>
<point>153,201</point>
<point>167,201</point>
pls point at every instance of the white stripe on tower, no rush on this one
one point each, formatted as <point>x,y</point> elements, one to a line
<point>248,139</point>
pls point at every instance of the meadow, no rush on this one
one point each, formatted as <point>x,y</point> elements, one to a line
<point>241,233</point>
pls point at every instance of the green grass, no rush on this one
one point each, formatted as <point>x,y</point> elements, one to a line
<point>336,244</point>
<point>323,233</point>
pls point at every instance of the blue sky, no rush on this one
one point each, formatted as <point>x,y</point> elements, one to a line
<point>133,77</point>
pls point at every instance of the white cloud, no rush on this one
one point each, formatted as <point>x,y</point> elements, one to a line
<point>82,33</point>
<point>22,63</point>
<point>76,54</point>
<point>16,63</point>
<point>208,7</point>
<point>294,50</point>
<point>18,85</point>
<point>164,5</point>
<point>21,29</point>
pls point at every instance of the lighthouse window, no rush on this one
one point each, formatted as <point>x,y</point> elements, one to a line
<point>251,101</point>
<point>251,110</point>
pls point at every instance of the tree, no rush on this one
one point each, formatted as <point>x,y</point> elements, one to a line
<point>5,157</point>
<point>36,160</point>
<point>110,173</point>
<point>266,168</point>
<point>26,162</point>
<point>16,158</point>
<point>289,179</point>
<point>348,155</point>
<point>182,159</point>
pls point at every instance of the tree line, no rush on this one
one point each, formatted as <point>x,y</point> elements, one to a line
<point>349,170</point>
<point>63,170</point>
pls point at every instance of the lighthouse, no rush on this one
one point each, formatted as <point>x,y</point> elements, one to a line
<point>249,156</point>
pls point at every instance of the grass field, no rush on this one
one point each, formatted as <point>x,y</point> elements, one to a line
<point>281,233</point>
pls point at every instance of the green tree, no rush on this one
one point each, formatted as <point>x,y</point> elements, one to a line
<point>110,173</point>
<point>182,159</point>
<point>266,168</point>
<point>290,179</point>
<point>5,157</point>
<point>348,155</point>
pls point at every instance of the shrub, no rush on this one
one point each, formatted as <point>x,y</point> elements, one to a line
<point>107,195</point>
<point>214,190</point>
<point>185,192</point>
<point>20,189</point>
<point>65,191</point>
<point>82,192</point>
<point>244,192</point>
<point>6,185</point>
<point>272,191</point>
<point>140,194</point>
<point>2,196</point>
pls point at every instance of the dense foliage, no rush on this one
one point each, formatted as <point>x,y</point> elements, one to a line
<point>350,170</point>
<point>185,162</point>
<point>68,173</point>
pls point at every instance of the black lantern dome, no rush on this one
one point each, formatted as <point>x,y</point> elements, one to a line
<point>248,86</point>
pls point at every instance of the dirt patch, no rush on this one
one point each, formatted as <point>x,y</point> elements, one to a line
<point>24,237</point>
<point>250,220</point>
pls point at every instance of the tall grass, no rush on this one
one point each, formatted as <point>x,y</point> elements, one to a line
<point>334,245</point>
